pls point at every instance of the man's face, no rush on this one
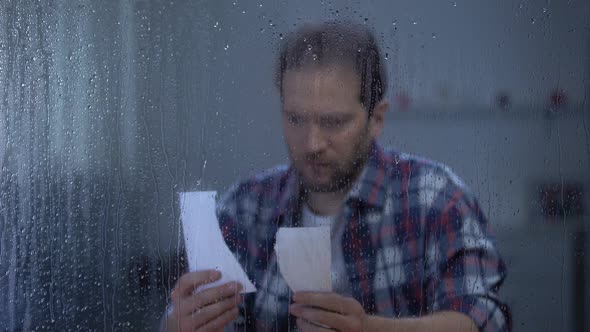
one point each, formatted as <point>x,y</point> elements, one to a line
<point>327,130</point>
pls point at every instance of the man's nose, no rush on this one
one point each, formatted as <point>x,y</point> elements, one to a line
<point>316,139</point>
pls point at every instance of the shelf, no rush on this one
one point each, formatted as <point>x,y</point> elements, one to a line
<point>480,113</point>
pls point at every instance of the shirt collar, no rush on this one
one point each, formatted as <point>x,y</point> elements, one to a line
<point>369,189</point>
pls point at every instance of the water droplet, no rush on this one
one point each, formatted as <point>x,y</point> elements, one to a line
<point>454,4</point>
<point>226,47</point>
<point>434,36</point>
<point>216,24</point>
<point>414,22</point>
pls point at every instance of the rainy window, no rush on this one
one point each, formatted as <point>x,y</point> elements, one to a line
<point>378,151</point>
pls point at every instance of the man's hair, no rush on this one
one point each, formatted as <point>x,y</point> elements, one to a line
<point>337,43</point>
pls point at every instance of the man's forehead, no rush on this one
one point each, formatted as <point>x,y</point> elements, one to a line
<point>321,72</point>
<point>326,81</point>
<point>320,107</point>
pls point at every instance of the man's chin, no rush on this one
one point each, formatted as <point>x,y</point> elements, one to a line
<point>318,186</point>
<point>323,187</point>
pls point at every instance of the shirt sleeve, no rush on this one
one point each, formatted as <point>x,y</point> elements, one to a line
<point>465,268</point>
<point>164,318</point>
<point>235,234</point>
<point>236,241</point>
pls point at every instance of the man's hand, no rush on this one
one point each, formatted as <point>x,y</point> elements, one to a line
<point>208,310</point>
<point>335,312</point>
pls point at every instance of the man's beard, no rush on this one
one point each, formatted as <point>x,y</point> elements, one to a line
<point>343,176</point>
<point>341,179</point>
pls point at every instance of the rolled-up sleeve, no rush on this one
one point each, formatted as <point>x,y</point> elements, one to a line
<point>234,224</point>
<point>465,267</point>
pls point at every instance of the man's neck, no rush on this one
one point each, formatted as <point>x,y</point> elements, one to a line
<point>326,203</point>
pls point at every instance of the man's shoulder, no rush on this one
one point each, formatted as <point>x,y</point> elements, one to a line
<point>427,171</point>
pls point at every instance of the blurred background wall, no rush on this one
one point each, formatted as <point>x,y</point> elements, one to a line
<point>108,109</point>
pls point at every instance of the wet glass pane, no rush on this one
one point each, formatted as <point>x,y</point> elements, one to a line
<point>110,110</point>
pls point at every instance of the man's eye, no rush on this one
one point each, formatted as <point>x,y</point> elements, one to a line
<point>295,120</point>
<point>332,123</point>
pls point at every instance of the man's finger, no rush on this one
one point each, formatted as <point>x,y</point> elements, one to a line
<point>327,301</point>
<point>189,281</point>
<point>305,326</point>
<point>206,315</point>
<point>222,320</point>
<point>321,317</point>
<point>208,297</point>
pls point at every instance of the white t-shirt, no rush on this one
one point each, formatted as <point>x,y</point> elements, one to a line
<point>340,282</point>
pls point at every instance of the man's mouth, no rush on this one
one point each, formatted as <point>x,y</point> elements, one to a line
<point>318,165</point>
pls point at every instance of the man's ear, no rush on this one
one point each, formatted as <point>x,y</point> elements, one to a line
<point>377,121</point>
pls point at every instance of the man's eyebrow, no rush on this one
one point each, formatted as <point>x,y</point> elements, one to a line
<point>290,111</point>
<point>328,114</point>
<point>336,114</point>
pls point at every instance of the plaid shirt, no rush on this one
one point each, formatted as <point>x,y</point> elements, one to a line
<point>415,242</point>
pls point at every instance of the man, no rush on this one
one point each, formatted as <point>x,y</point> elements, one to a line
<point>411,249</point>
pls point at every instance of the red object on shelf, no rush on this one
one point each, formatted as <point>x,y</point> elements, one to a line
<point>558,99</point>
<point>403,101</point>
<point>558,201</point>
<point>503,100</point>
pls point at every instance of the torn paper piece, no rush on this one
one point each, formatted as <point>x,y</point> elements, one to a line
<point>304,258</point>
<point>205,246</point>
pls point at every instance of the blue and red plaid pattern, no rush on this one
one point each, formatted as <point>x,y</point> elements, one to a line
<point>416,242</point>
